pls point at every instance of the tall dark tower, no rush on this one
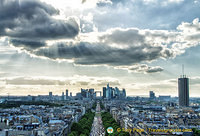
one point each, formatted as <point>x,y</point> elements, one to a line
<point>183,90</point>
<point>66,92</point>
<point>50,95</point>
<point>104,92</point>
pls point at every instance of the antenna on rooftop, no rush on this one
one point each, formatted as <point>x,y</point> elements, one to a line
<point>184,76</point>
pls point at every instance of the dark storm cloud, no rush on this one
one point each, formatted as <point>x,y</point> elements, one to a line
<point>137,37</point>
<point>116,47</point>
<point>96,54</point>
<point>28,44</point>
<point>33,19</point>
<point>123,36</point>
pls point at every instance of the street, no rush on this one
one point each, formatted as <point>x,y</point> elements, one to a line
<point>97,126</point>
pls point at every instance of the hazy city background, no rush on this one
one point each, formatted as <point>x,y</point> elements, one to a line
<point>137,45</point>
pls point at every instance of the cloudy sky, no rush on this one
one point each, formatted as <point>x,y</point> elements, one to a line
<point>139,45</point>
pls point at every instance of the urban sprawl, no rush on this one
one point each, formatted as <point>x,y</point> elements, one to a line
<point>109,113</point>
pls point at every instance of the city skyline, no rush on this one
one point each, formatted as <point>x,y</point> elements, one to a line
<point>48,46</point>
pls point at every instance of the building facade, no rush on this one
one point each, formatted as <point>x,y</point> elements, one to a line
<point>183,91</point>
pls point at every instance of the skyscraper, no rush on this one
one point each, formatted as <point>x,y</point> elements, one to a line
<point>117,92</point>
<point>113,93</point>
<point>50,95</point>
<point>183,91</point>
<point>66,93</point>
<point>124,93</point>
<point>151,95</point>
<point>104,92</point>
<point>108,91</point>
<point>63,96</point>
<point>84,93</point>
<point>91,92</point>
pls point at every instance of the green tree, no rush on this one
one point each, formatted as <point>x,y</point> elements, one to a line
<point>83,127</point>
<point>83,135</point>
<point>77,127</point>
<point>196,132</point>
<point>73,133</point>
<point>108,121</point>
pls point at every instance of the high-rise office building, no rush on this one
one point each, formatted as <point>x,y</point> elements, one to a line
<point>84,93</point>
<point>104,92</point>
<point>78,95</point>
<point>117,92</point>
<point>50,95</point>
<point>108,91</point>
<point>87,93</point>
<point>66,93</point>
<point>91,92</point>
<point>152,95</point>
<point>63,96</point>
<point>183,91</point>
<point>113,93</point>
<point>124,93</point>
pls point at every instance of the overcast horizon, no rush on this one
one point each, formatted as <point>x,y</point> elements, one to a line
<point>139,45</point>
